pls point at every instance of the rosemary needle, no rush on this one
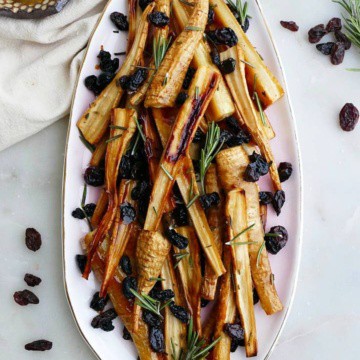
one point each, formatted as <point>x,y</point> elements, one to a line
<point>239,234</point>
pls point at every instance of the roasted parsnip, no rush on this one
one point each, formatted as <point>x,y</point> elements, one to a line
<point>169,77</point>
<point>239,90</point>
<point>236,215</point>
<point>132,8</point>
<point>221,105</point>
<point>99,153</point>
<point>100,209</point>
<point>94,122</point>
<point>268,87</point>
<point>123,128</point>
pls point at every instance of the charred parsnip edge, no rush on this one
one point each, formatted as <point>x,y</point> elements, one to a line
<point>100,208</point>
<point>95,121</point>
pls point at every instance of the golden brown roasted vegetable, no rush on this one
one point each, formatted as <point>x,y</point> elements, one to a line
<point>123,128</point>
<point>169,77</point>
<point>236,215</point>
<point>100,209</point>
<point>95,121</point>
<point>151,252</point>
<point>132,8</point>
<point>221,105</point>
<point>189,270</point>
<point>231,164</point>
<point>239,90</point>
<point>267,85</point>
<point>99,153</point>
<point>215,217</point>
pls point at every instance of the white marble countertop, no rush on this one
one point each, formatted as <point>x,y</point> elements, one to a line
<point>325,319</point>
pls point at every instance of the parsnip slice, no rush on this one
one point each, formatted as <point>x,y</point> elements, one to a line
<point>239,90</point>
<point>99,153</point>
<point>269,89</point>
<point>236,214</point>
<point>100,209</point>
<point>94,122</point>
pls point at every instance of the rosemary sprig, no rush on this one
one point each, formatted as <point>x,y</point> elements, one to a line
<point>83,201</point>
<point>118,127</point>
<point>258,103</point>
<point>147,302</point>
<point>353,69</point>
<point>89,146</point>
<point>167,172</point>
<point>140,129</point>
<point>133,150</point>
<point>193,28</point>
<point>160,47</point>
<point>178,257</point>
<point>241,9</point>
<point>113,138</point>
<point>352,19</point>
<point>191,202</point>
<point>273,235</point>
<point>259,254</point>
<point>239,234</point>
<point>155,211</point>
<point>156,279</point>
<point>165,79</point>
<point>210,150</point>
<point>197,92</point>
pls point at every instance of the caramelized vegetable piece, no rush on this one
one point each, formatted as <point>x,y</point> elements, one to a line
<point>239,90</point>
<point>120,235</point>
<point>151,252</point>
<point>267,85</point>
<point>99,153</point>
<point>231,164</point>
<point>132,8</point>
<point>236,214</point>
<point>189,269</point>
<point>94,123</point>
<point>123,121</point>
<point>221,105</point>
<point>121,303</point>
<point>100,209</point>
<point>168,79</point>
<point>215,217</point>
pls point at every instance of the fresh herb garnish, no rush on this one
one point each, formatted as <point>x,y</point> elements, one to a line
<point>156,279</point>
<point>239,234</point>
<point>147,302</point>
<point>353,69</point>
<point>247,63</point>
<point>120,53</point>
<point>167,172</point>
<point>191,202</point>
<point>193,28</point>
<point>179,257</point>
<point>133,150</point>
<point>240,9</point>
<point>210,150</point>
<point>83,201</point>
<point>86,143</point>
<point>160,47</point>
<point>259,254</point>
<point>139,127</point>
<point>273,235</point>
<point>165,79</point>
<point>113,138</point>
<point>259,106</point>
<point>197,92</point>
<point>352,19</point>
<point>118,127</point>
<point>155,210</point>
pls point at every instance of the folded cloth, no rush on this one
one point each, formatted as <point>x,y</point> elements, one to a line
<point>40,60</point>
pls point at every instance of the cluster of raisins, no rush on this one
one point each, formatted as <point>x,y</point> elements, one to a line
<point>276,239</point>
<point>258,167</point>
<point>209,200</point>
<point>277,199</point>
<point>176,239</point>
<point>88,211</point>
<point>132,82</point>
<point>120,21</point>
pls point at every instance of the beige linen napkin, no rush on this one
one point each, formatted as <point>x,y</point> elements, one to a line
<point>39,62</point>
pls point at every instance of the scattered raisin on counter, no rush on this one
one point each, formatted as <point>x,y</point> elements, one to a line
<point>127,213</point>
<point>342,38</point>
<point>285,170</point>
<point>32,280</point>
<point>317,33</point>
<point>162,295</point>
<point>81,262</point>
<point>290,25</point>
<point>39,345</point>
<point>98,303</point>
<point>275,243</point>
<point>25,297</point>
<point>125,264</point>
<point>94,176</point>
<point>228,66</point>
<point>265,197</point>
<point>349,117</point>
<point>159,19</point>
<point>338,53</point>
<point>179,312</point>
<point>120,21</point>
<point>278,201</point>
<point>157,340</point>
<point>144,3</point>
<point>150,318</point>
<point>325,48</point>
<point>223,36</point>
<point>181,98</point>
<point>178,240</point>
<point>333,25</point>
<point>32,239</point>
<point>129,283</point>
<point>209,200</point>
<point>126,334</point>
<point>235,332</point>
<point>188,77</point>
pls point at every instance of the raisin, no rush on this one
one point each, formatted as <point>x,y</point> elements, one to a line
<point>338,53</point>
<point>325,48</point>
<point>78,214</point>
<point>32,280</point>
<point>104,79</point>
<point>211,17</point>
<point>129,283</point>
<point>94,176</point>
<point>25,297</point>
<point>349,117</point>
<point>123,82</point>
<point>120,21</point>
<point>188,77</point>
<point>180,215</point>
<point>234,345</point>
<point>106,63</point>
<point>125,264</point>
<point>199,136</point>
<point>98,303</point>
<point>162,295</point>
<point>233,124</point>
<point>228,66</point>
<point>276,240</point>
<point>133,82</point>
<point>246,25</point>
<point>333,25</point>
<point>256,298</point>
<point>235,332</point>
<point>89,209</point>
<point>342,38</point>
<point>157,340</point>
<point>180,241</point>
<point>223,36</point>
<point>144,3</point>
<point>81,261</point>
<point>285,170</point>
<point>215,57</point>
<point>158,19</point>
<point>179,312</point>
<point>209,200</point>
<point>39,345</point>
<point>127,213</point>
<point>238,139</point>
<point>258,167</point>
<point>126,334</point>
<point>265,197</point>
<point>107,326</point>
<point>91,84</point>
<point>204,303</point>
<point>150,318</point>
<point>225,136</point>
<point>290,25</point>
<point>278,201</point>
<point>181,98</point>
<point>104,320</point>
<point>317,33</point>
<point>141,190</point>
<point>32,239</point>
